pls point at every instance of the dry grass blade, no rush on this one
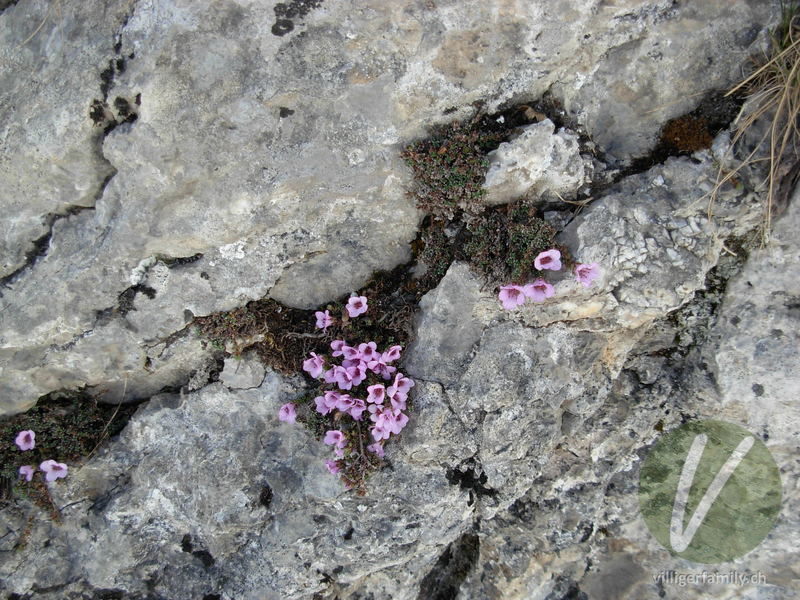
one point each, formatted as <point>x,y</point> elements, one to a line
<point>773,91</point>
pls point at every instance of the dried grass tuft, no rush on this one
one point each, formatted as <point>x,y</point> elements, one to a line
<point>773,92</point>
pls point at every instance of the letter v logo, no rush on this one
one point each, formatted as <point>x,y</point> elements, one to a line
<point>709,491</point>
<point>680,538</point>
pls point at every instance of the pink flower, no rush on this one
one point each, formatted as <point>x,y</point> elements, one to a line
<point>287,413</point>
<point>401,384</point>
<point>376,393</point>
<point>379,433</point>
<point>345,402</point>
<point>587,273</point>
<point>351,353</point>
<point>391,355</point>
<point>322,407</point>
<point>338,453</point>
<point>381,368</point>
<point>343,377</point>
<point>376,448</point>
<point>329,402</point>
<point>324,319</point>
<point>539,290</point>
<point>27,471</point>
<point>314,365</point>
<point>511,296</point>
<point>549,259</point>
<point>26,440</point>
<point>335,437</point>
<point>357,305</point>
<point>399,420</point>
<point>368,351</point>
<point>337,345</point>
<point>53,470</point>
<point>332,466</point>
<point>357,409</point>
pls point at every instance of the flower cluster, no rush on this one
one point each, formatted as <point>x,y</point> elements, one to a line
<point>383,405</point>
<point>26,440</point>
<point>512,296</point>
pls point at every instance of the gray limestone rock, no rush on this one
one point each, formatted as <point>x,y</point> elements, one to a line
<point>243,372</point>
<point>538,161</point>
<point>254,154</point>
<point>264,161</point>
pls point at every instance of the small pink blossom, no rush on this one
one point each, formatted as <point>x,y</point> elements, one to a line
<point>548,260</point>
<point>401,384</point>
<point>357,409</point>
<point>587,273</point>
<point>376,393</point>
<point>287,413</point>
<point>511,296</point>
<point>322,407</point>
<point>27,471</point>
<point>381,368</point>
<point>343,377</point>
<point>356,305</point>
<point>324,319</point>
<point>338,453</point>
<point>332,466</point>
<point>335,437</point>
<point>345,402</point>
<point>376,448</point>
<point>336,346</point>
<point>26,440</point>
<point>314,365</point>
<point>539,290</point>
<point>351,353</point>
<point>379,433</point>
<point>368,351</point>
<point>392,354</point>
<point>53,470</point>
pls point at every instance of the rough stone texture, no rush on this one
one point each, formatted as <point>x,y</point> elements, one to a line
<point>515,478</point>
<point>271,150</point>
<point>242,373</point>
<point>237,503</point>
<point>448,326</point>
<point>270,147</point>
<point>538,161</point>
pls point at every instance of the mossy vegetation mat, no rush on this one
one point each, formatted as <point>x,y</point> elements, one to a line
<point>69,427</point>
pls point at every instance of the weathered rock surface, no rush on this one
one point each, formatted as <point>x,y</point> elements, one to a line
<point>243,373</point>
<point>538,161</point>
<point>263,158</point>
<point>264,161</point>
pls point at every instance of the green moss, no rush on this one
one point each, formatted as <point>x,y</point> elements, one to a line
<point>504,242</point>
<point>449,169</point>
<point>68,426</point>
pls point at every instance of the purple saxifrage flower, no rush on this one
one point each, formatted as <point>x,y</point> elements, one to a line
<point>539,290</point>
<point>27,472</point>
<point>314,365</point>
<point>332,466</point>
<point>287,413</point>
<point>335,437</point>
<point>324,319</point>
<point>548,260</point>
<point>26,440</point>
<point>376,448</point>
<point>53,470</point>
<point>511,296</point>
<point>587,273</point>
<point>356,305</point>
